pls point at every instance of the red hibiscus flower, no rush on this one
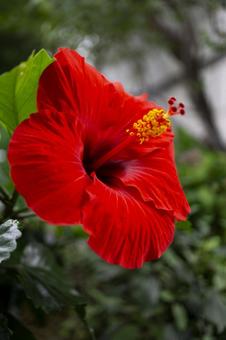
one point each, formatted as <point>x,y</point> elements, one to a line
<point>95,155</point>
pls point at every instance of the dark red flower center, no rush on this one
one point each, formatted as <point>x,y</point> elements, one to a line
<point>153,124</point>
<point>107,172</point>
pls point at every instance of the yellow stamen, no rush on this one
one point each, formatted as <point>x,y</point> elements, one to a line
<point>153,124</point>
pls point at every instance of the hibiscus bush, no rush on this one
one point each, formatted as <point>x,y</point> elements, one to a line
<point>52,285</point>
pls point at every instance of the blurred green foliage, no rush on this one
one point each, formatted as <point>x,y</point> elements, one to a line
<point>25,26</point>
<point>109,30</point>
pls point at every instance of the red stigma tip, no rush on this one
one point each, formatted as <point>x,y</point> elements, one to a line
<point>182,111</point>
<point>170,102</point>
<point>173,109</point>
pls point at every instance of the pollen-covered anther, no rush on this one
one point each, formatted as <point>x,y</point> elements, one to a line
<point>156,121</point>
<point>153,124</point>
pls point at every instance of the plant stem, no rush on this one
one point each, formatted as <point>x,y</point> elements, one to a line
<point>4,196</point>
<point>27,214</point>
<point>9,205</point>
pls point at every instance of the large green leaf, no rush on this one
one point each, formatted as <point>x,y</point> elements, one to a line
<point>18,89</point>
<point>9,232</point>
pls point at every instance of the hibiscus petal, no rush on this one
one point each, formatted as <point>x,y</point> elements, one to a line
<point>71,84</point>
<point>154,175</point>
<point>124,230</point>
<point>45,159</point>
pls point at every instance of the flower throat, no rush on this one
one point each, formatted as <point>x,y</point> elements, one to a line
<point>152,124</point>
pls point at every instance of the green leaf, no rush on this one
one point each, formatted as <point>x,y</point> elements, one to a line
<point>8,115</point>
<point>211,243</point>
<point>9,232</point>
<point>47,289</point>
<point>27,83</point>
<point>18,89</point>
<point>180,316</point>
<point>215,310</point>
<point>44,282</point>
<point>184,225</point>
<point>126,332</point>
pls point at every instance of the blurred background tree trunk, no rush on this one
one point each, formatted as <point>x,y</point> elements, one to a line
<point>184,46</point>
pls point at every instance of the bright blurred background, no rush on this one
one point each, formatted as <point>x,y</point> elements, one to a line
<point>165,48</point>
